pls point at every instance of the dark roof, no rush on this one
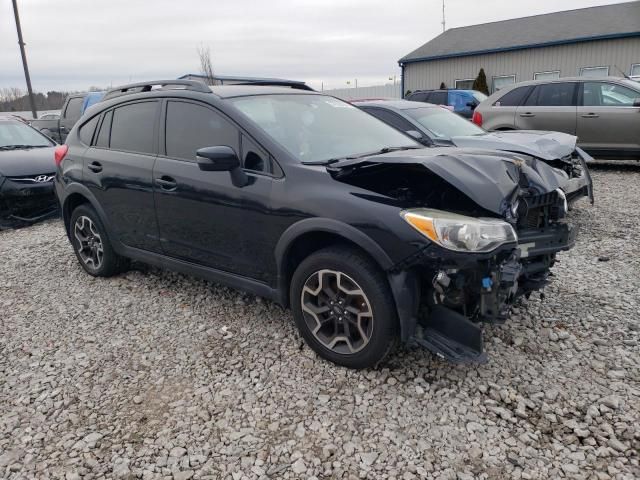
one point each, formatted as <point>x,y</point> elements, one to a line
<point>241,79</point>
<point>394,104</point>
<point>595,23</point>
<point>229,91</point>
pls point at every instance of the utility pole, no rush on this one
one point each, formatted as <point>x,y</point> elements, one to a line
<point>443,19</point>
<point>24,60</point>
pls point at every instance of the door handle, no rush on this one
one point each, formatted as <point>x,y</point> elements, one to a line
<point>590,115</point>
<point>95,167</point>
<point>166,183</point>
<point>528,114</point>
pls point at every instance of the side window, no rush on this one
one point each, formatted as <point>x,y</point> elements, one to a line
<point>552,95</point>
<point>190,127</point>
<point>439,98</point>
<point>513,98</point>
<point>87,130</point>
<point>102,139</point>
<point>390,118</point>
<point>253,157</point>
<point>132,127</point>
<point>419,97</point>
<point>599,94</point>
<point>73,108</point>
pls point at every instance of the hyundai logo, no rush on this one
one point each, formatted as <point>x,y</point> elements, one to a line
<point>43,178</point>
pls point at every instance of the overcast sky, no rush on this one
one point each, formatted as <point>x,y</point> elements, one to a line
<point>74,44</point>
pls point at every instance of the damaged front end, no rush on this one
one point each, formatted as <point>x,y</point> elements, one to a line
<point>495,224</point>
<point>26,200</point>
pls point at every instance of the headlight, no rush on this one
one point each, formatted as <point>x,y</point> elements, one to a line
<point>460,233</point>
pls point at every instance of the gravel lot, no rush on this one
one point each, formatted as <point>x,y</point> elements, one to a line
<point>156,375</point>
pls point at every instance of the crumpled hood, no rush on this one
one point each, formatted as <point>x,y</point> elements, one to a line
<point>539,144</point>
<point>490,178</point>
<point>30,162</point>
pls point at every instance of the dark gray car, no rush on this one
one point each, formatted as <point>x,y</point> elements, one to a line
<point>435,126</point>
<point>604,113</point>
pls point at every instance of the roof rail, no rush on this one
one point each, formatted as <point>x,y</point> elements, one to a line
<point>277,83</point>
<point>193,85</point>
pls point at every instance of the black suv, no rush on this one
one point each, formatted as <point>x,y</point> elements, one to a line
<point>307,200</point>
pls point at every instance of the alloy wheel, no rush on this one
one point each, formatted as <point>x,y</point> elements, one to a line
<point>90,248</point>
<point>337,311</point>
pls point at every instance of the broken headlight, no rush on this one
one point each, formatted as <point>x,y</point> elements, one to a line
<point>458,232</point>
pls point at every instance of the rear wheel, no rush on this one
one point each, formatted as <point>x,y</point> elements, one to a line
<point>91,244</point>
<point>343,307</point>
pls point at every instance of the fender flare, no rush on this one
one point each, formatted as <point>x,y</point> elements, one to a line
<point>324,225</point>
<point>76,188</point>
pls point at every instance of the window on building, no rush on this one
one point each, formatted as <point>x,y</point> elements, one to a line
<point>635,72</point>
<point>546,75</point>
<point>502,81</point>
<point>594,72</point>
<point>465,84</point>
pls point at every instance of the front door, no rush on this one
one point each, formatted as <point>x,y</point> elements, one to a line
<point>607,119</point>
<point>203,217</point>
<point>550,106</point>
<point>118,168</point>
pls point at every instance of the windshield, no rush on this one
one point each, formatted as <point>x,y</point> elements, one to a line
<point>317,128</point>
<point>479,96</point>
<point>19,134</point>
<point>442,123</point>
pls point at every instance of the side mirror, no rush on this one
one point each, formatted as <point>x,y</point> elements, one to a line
<point>415,134</point>
<point>222,159</point>
<point>636,102</point>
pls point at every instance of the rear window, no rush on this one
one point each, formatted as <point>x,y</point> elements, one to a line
<point>132,127</point>
<point>73,108</point>
<point>513,98</point>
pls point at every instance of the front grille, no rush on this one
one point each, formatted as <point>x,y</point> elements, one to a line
<point>537,211</point>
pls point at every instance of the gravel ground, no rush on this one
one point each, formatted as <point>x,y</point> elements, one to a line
<point>156,375</point>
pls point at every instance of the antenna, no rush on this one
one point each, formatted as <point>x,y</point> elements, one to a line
<point>623,74</point>
<point>444,23</point>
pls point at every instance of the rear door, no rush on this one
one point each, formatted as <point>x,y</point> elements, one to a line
<point>439,98</point>
<point>607,119</point>
<point>70,115</point>
<point>550,106</point>
<point>118,170</point>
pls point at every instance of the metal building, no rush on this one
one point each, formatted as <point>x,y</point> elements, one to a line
<point>595,41</point>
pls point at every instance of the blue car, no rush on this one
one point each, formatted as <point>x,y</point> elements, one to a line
<point>463,102</point>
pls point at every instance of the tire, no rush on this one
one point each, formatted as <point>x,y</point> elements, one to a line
<point>337,337</point>
<point>91,244</point>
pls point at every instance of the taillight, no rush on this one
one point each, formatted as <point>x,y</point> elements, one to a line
<point>60,152</point>
<point>477,118</point>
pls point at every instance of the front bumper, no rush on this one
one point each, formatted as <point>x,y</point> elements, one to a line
<point>26,203</point>
<point>442,296</point>
<point>582,185</point>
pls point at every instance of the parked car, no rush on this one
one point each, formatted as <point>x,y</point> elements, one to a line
<point>74,106</point>
<point>49,116</point>
<point>604,113</point>
<point>26,174</point>
<point>463,102</point>
<point>307,200</point>
<point>433,126</point>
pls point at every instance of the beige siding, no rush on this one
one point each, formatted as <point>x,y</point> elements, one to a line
<point>524,63</point>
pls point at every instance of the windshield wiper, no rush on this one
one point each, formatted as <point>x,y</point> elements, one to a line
<point>363,155</point>
<point>20,147</point>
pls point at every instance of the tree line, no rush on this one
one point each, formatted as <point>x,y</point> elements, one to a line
<point>14,99</point>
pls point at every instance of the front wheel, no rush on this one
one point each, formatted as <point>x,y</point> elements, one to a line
<point>343,307</point>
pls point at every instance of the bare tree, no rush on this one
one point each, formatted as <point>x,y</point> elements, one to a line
<point>206,66</point>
